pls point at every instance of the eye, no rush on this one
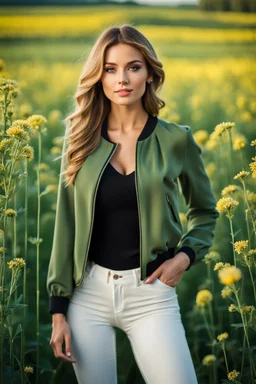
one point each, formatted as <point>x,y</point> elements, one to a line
<point>136,67</point>
<point>107,69</point>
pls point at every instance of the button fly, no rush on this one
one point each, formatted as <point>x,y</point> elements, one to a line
<point>115,276</point>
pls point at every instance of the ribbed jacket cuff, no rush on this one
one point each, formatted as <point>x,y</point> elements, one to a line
<point>58,304</point>
<point>190,252</point>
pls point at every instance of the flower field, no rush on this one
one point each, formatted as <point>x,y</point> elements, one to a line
<point>210,66</point>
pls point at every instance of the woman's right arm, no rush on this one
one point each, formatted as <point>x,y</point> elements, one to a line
<point>60,270</point>
<point>61,332</point>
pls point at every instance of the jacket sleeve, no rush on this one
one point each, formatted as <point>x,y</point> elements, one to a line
<point>201,203</point>
<point>60,270</point>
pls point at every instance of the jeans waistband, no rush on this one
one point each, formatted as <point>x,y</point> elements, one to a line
<point>127,276</point>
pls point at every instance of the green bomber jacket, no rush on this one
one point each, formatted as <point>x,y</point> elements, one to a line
<point>168,162</point>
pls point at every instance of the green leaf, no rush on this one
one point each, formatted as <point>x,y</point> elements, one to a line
<point>237,325</point>
<point>236,233</point>
<point>18,330</point>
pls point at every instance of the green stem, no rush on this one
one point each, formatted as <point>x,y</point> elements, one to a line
<point>242,364</point>
<point>225,357</point>
<point>23,337</point>
<point>249,208</point>
<point>37,255</point>
<point>233,238</point>
<point>231,151</point>
<point>253,285</point>
<point>207,326</point>
<point>246,334</point>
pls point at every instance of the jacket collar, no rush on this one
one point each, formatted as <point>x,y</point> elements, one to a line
<point>146,131</point>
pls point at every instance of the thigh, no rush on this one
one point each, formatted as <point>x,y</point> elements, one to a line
<point>159,342</point>
<point>93,345</point>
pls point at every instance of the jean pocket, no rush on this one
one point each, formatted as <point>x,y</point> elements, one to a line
<point>159,282</point>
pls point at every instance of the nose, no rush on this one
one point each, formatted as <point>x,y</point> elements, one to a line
<point>123,78</point>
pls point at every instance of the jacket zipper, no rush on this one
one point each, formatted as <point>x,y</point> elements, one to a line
<point>94,198</point>
<point>138,206</point>
<point>170,204</point>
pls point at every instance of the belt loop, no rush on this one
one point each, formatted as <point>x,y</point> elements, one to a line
<point>135,273</point>
<point>108,275</point>
<point>93,266</point>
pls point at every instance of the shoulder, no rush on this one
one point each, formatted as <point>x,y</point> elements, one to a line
<point>183,131</point>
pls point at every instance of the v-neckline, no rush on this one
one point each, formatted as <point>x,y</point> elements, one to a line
<point>121,174</point>
<point>149,119</point>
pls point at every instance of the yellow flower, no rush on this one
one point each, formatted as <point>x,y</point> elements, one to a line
<point>208,360</point>
<point>232,376</point>
<point>232,308</point>
<point>230,189</point>
<point>239,142</point>
<point>219,129</point>
<point>226,204</point>
<point>28,369</point>
<point>5,144</point>
<point>212,144</point>
<point>229,275</point>
<point>226,292</point>
<point>28,152</point>
<point>9,212</point>
<point>8,85</point>
<point>252,252</point>
<point>253,168</point>
<point>25,110</point>
<point>17,131</point>
<point>241,175</point>
<point>44,167</point>
<point>240,246</point>
<point>248,309</point>
<point>218,265</point>
<point>222,336</point>
<point>203,297</point>
<point>240,102</point>
<point>251,196</point>
<point>253,143</point>
<point>36,122</point>
<point>17,263</point>
<point>224,126</point>
<point>211,256</point>
<point>1,250</point>
<point>55,150</point>
<point>54,116</point>
<point>201,136</point>
<point>52,188</point>
<point>252,256</point>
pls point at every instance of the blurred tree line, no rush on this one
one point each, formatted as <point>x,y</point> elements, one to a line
<point>228,5</point>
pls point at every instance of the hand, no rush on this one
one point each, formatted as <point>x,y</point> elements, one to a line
<point>170,271</point>
<point>60,331</point>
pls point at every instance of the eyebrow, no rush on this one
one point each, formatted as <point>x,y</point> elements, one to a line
<point>130,62</point>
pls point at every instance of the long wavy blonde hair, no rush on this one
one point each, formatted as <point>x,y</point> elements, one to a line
<point>83,136</point>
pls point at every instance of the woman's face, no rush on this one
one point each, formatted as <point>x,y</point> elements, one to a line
<point>124,67</point>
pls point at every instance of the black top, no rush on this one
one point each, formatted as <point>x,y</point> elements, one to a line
<point>115,237</point>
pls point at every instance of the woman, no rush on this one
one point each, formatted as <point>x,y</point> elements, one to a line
<point>117,219</point>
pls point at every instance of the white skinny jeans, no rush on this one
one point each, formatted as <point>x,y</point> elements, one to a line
<point>150,316</point>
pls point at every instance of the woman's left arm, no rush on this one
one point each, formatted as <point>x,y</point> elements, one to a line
<point>201,215</point>
<point>201,203</point>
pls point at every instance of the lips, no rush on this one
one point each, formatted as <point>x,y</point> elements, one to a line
<point>124,92</point>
